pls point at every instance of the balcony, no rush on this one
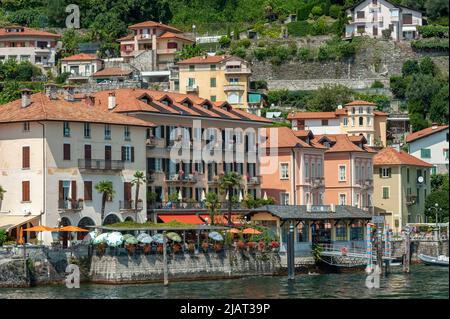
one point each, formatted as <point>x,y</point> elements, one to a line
<point>192,89</point>
<point>318,182</point>
<point>178,178</point>
<point>152,142</point>
<point>254,180</point>
<point>166,51</point>
<point>79,75</point>
<point>129,205</point>
<point>68,205</point>
<point>234,87</point>
<point>214,181</point>
<point>367,184</point>
<point>100,165</point>
<point>411,200</point>
<point>237,71</point>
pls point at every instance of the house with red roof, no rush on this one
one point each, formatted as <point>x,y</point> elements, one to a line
<point>402,183</point>
<point>355,118</point>
<point>431,145</point>
<point>27,44</point>
<point>81,67</point>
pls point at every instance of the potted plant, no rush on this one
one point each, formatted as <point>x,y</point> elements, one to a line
<point>240,245</point>
<point>218,247</point>
<point>101,248</point>
<point>147,248</point>
<point>251,246</point>
<point>131,248</point>
<point>275,245</point>
<point>173,198</point>
<point>176,248</point>
<point>261,245</point>
<point>160,248</point>
<point>205,246</point>
<point>191,247</point>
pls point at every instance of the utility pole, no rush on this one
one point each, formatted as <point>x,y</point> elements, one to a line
<point>166,272</point>
<point>290,252</point>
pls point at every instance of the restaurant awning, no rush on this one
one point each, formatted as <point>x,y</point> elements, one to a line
<point>7,222</point>
<point>187,219</point>
<point>223,218</point>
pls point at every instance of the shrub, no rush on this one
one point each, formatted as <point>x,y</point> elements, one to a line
<point>244,43</point>
<point>316,11</point>
<point>377,85</point>
<point>431,31</point>
<point>323,53</point>
<point>3,237</point>
<point>304,10</point>
<point>224,41</point>
<point>292,47</point>
<point>239,52</point>
<point>398,86</point>
<point>260,54</point>
<point>386,34</point>
<point>282,52</point>
<point>320,27</point>
<point>335,11</point>
<point>304,54</point>
<point>300,28</point>
<point>430,44</point>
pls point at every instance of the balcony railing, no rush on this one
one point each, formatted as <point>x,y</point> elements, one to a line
<point>237,71</point>
<point>151,142</point>
<point>80,75</point>
<point>129,205</point>
<point>191,88</point>
<point>234,87</point>
<point>178,178</point>
<point>96,164</point>
<point>254,180</point>
<point>318,182</point>
<point>70,205</point>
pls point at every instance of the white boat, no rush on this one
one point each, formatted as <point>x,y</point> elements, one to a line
<point>440,260</point>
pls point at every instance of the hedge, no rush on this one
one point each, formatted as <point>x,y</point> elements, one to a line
<point>300,28</point>
<point>430,44</point>
<point>431,31</point>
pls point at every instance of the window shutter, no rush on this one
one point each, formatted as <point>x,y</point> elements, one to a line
<point>61,190</point>
<point>66,152</point>
<point>162,131</point>
<point>87,190</point>
<point>123,153</point>
<point>151,163</point>
<point>26,157</point>
<point>381,172</point>
<point>389,172</point>
<point>132,154</point>
<point>26,191</point>
<point>74,190</point>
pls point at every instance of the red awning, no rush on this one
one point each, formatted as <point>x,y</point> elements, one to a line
<point>187,219</point>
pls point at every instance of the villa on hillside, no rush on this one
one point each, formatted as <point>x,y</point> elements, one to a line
<point>373,17</point>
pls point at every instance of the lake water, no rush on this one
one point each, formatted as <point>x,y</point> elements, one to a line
<point>422,282</point>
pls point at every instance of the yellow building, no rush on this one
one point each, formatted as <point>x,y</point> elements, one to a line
<point>217,78</point>
<point>401,184</point>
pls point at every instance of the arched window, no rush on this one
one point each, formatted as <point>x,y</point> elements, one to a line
<point>129,219</point>
<point>85,221</point>
<point>111,219</point>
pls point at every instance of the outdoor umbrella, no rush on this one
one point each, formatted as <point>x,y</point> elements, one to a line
<point>180,195</point>
<point>131,240</point>
<point>215,236</point>
<point>90,237</point>
<point>251,231</point>
<point>203,196</point>
<point>114,239</point>
<point>144,238</point>
<point>126,236</point>
<point>100,239</point>
<point>265,196</point>
<point>234,231</point>
<point>227,196</point>
<point>41,228</point>
<point>241,198</point>
<point>158,238</point>
<point>174,236</point>
<point>72,229</point>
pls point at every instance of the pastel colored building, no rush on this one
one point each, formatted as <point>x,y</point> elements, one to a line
<point>402,183</point>
<point>431,146</point>
<point>355,118</point>
<point>348,170</point>
<point>218,78</point>
<point>26,44</point>
<point>81,67</point>
<point>296,172</point>
<point>373,17</point>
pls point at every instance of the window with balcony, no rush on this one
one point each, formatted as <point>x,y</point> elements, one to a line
<point>284,170</point>
<point>233,80</point>
<point>342,199</point>
<point>87,190</point>
<point>127,154</point>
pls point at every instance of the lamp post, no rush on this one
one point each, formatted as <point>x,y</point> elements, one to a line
<point>195,35</point>
<point>437,210</point>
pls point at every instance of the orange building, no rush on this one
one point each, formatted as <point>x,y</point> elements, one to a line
<point>348,170</point>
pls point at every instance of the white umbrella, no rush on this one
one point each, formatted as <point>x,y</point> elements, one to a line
<point>180,195</point>
<point>102,238</point>
<point>265,196</point>
<point>162,197</point>
<point>203,196</point>
<point>241,198</point>
<point>227,196</point>
<point>114,239</point>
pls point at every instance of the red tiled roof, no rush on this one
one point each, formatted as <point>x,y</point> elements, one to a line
<point>207,59</point>
<point>112,72</point>
<point>43,108</point>
<point>360,103</point>
<point>425,132</point>
<point>340,143</point>
<point>129,100</point>
<point>390,156</point>
<point>128,37</point>
<point>27,32</point>
<point>171,35</point>
<point>82,57</point>
<point>153,24</point>
<point>285,138</point>
<point>311,115</point>
<point>379,113</point>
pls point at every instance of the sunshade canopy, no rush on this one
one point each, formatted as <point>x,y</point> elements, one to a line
<point>186,219</point>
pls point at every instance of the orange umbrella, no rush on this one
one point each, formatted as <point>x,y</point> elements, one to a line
<point>234,231</point>
<point>72,229</point>
<point>41,228</point>
<point>251,231</point>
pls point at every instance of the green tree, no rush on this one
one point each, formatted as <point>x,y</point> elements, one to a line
<point>399,86</point>
<point>410,67</point>
<point>2,192</point>
<point>212,202</point>
<point>439,106</point>
<point>423,88</point>
<point>190,51</point>
<point>228,183</point>
<point>437,8</point>
<point>327,98</point>
<point>138,180</point>
<point>107,190</point>
<point>439,195</point>
<point>3,237</point>
<point>427,66</point>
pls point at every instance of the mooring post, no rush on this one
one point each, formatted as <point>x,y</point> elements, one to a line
<point>407,254</point>
<point>166,272</point>
<point>290,253</point>
<point>379,248</point>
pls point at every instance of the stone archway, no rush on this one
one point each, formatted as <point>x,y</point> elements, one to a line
<point>129,219</point>
<point>111,219</point>
<point>85,221</point>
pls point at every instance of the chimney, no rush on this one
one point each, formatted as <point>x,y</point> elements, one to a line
<point>434,126</point>
<point>111,100</point>
<point>69,93</point>
<point>50,91</point>
<point>90,100</point>
<point>26,97</point>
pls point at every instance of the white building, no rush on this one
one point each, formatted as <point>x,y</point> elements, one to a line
<point>371,17</point>
<point>55,149</point>
<point>81,66</point>
<point>25,44</point>
<point>431,145</point>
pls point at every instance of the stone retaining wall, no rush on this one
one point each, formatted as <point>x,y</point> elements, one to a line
<point>149,268</point>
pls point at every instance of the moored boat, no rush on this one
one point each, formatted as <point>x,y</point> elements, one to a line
<point>431,260</point>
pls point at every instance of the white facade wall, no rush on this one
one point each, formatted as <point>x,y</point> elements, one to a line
<point>317,128</point>
<point>436,143</point>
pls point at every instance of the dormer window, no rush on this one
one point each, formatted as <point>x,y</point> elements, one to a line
<point>327,144</point>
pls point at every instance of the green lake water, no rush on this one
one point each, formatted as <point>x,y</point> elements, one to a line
<point>422,282</point>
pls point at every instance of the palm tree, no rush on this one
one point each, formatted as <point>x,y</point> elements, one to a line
<point>107,190</point>
<point>212,203</point>
<point>139,179</point>
<point>2,192</point>
<point>228,183</point>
